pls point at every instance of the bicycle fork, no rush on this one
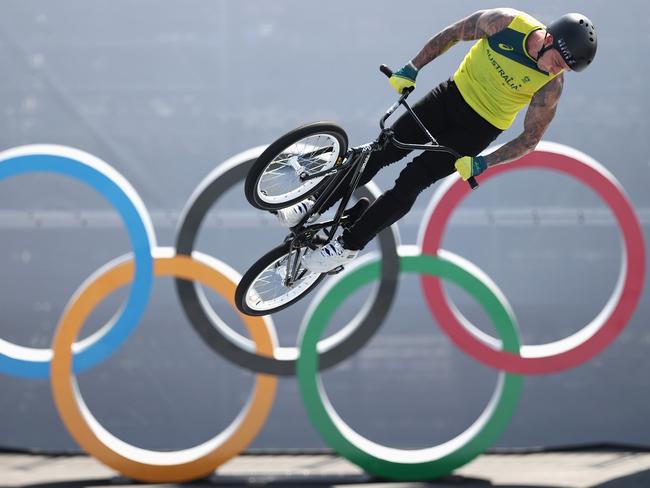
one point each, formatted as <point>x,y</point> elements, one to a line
<point>294,272</point>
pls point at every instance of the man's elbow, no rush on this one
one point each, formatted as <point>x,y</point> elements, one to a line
<point>530,142</point>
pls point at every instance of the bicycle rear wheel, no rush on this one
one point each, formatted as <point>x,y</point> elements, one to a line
<point>261,291</point>
<point>274,180</point>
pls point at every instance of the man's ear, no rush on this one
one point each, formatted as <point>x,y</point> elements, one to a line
<point>549,39</point>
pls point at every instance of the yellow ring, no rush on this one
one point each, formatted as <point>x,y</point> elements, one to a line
<point>131,461</point>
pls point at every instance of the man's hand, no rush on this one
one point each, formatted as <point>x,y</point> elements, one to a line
<point>469,166</point>
<point>404,78</point>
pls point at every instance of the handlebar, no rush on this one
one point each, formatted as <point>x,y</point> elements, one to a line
<point>402,101</point>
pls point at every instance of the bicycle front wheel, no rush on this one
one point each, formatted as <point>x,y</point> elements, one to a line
<point>262,290</point>
<point>275,182</point>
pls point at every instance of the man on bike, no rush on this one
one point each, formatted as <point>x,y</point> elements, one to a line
<point>517,61</point>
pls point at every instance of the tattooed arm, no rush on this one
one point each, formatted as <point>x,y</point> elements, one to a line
<point>483,23</point>
<point>538,117</point>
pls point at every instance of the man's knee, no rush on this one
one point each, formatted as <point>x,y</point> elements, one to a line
<point>401,199</point>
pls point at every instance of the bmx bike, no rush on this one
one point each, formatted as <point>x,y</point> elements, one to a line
<point>311,160</point>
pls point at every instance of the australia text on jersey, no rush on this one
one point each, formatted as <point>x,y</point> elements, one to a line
<point>509,80</point>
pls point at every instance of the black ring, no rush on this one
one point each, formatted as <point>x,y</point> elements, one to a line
<point>211,328</point>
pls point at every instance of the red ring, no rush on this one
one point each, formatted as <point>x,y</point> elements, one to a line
<point>573,163</point>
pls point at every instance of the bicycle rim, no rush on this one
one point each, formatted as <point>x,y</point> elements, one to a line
<point>268,292</point>
<point>280,181</point>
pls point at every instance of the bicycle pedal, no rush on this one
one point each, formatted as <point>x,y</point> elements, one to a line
<point>336,270</point>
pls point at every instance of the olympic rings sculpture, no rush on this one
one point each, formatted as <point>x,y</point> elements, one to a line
<point>261,354</point>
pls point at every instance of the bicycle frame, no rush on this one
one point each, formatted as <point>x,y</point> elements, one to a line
<point>304,235</point>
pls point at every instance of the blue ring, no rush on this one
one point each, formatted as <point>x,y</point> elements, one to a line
<point>138,234</point>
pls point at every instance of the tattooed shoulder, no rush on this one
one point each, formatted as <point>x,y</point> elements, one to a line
<point>483,23</point>
<point>495,20</point>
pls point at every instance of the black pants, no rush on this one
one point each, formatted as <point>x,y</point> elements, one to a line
<point>453,123</point>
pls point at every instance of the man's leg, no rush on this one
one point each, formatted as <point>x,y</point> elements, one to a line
<point>388,208</point>
<point>418,175</point>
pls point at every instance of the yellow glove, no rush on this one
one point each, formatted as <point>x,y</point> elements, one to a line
<point>403,78</point>
<point>469,166</point>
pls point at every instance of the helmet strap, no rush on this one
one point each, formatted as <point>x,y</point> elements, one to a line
<point>544,48</point>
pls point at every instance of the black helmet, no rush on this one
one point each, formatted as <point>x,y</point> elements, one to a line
<point>574,36</point>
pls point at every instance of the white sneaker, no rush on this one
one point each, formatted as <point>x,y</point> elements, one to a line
<point>330,256</point>
<point>291,216</point>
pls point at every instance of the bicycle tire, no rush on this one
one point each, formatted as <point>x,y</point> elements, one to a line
<point>276,149</point>
<point>254,271</point>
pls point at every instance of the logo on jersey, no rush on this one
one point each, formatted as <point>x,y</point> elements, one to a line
<point>505,47</point>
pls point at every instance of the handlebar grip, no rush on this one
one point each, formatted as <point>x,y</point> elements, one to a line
<point>473,184</point>
<point>386,70</point>
<point>389,72</point>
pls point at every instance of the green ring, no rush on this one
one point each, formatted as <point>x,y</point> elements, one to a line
<point>400,464</point>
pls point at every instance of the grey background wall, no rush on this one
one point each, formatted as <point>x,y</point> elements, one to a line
<point>165,91</point>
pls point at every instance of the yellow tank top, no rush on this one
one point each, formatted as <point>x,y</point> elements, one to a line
<point>498,77</point>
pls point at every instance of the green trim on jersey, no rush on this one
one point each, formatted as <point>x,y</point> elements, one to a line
<point>498,77</point>
<point>511,44</point>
